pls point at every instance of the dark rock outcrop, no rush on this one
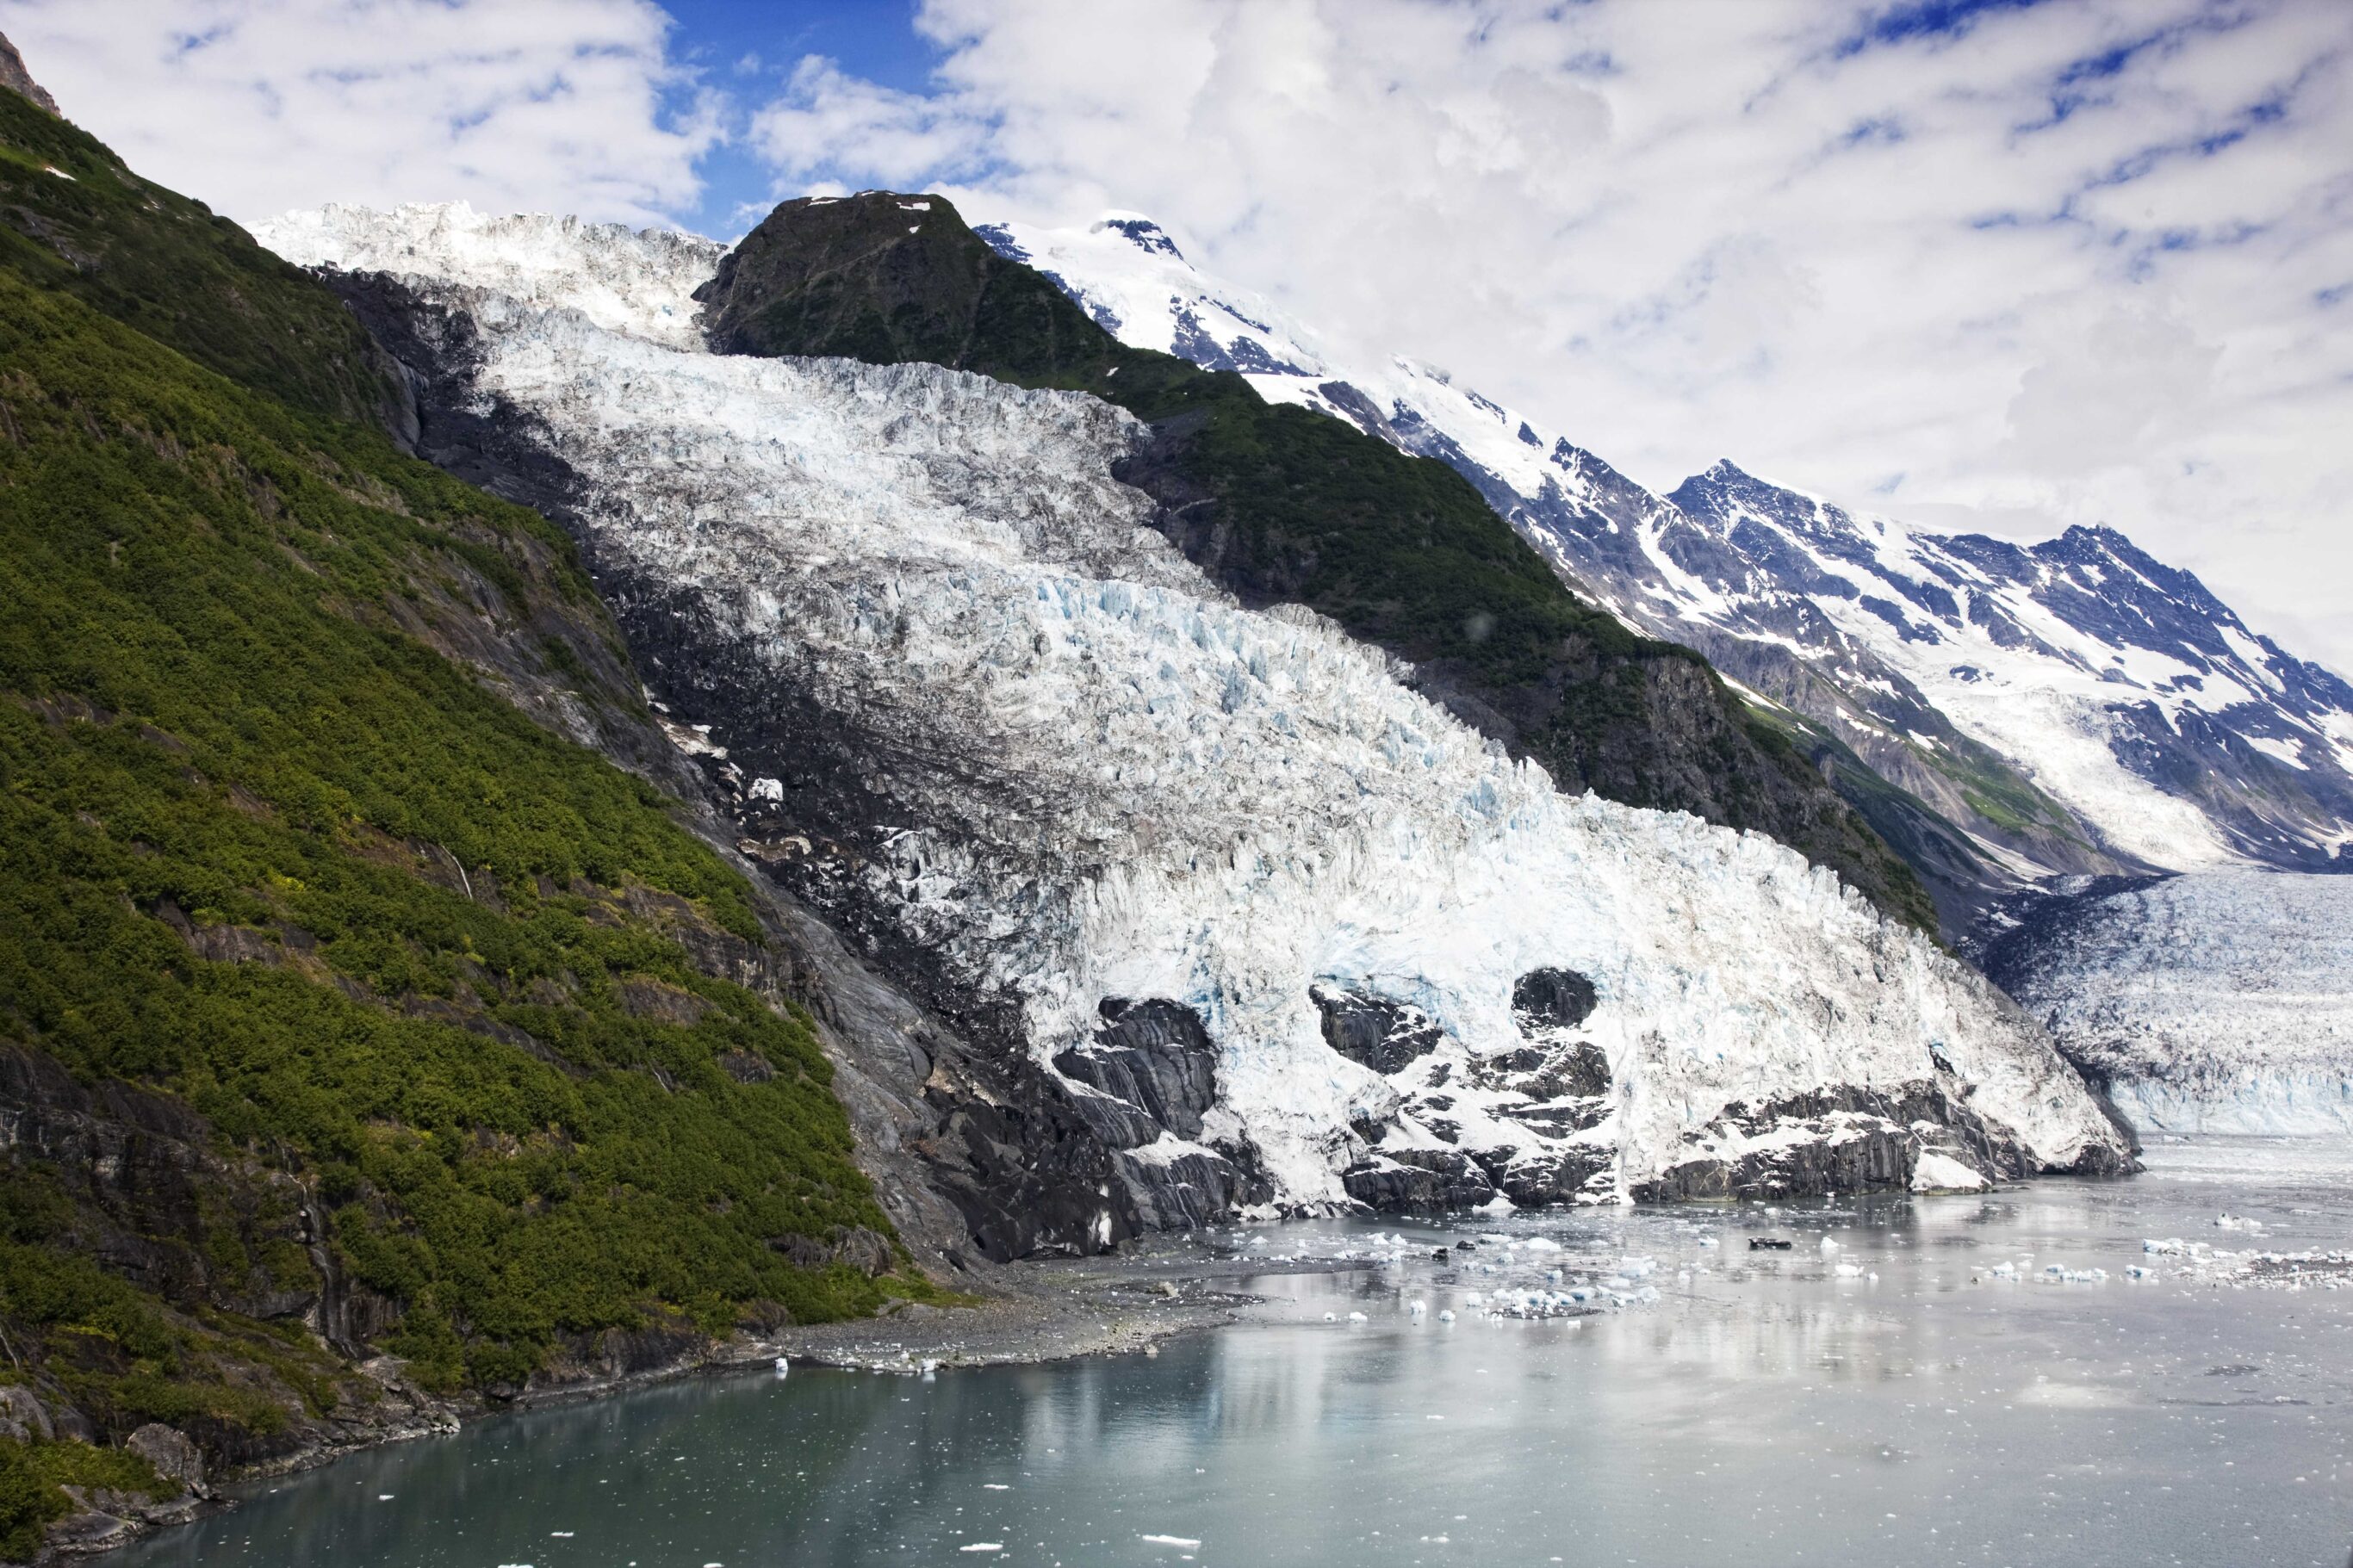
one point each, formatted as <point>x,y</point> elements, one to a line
<point>1374,1031</point>
<point>1552,999</point>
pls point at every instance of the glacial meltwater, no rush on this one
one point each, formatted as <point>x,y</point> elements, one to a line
<point>1958,1380</point>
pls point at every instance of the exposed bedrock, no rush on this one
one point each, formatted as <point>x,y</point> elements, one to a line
<point>1920,1136</point>
<point>1373,1031</point>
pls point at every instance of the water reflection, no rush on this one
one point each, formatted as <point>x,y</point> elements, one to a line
<point>1765,1410</point>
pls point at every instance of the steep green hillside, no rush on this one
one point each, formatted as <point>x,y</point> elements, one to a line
<point>334,992</point>
<point>1278,503</point>
<point>74,219</point>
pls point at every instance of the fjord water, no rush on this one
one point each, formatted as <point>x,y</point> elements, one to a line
<point>1765,1411</point>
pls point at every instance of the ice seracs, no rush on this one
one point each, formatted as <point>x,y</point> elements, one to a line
<point>1277,924</point>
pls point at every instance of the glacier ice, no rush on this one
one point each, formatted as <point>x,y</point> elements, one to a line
<point>2214,1002</point>
<point>1092,775</point>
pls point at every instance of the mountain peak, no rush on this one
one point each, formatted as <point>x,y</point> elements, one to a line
<point>1139,231</point>
<point>18,79</point>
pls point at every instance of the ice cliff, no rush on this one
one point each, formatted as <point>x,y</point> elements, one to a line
<point>2218,1001</point>
<point>1283,931</point>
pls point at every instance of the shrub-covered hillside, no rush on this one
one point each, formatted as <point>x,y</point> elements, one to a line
<point>343,1010</point>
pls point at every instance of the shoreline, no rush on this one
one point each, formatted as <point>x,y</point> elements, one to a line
<point>1043,1310</point>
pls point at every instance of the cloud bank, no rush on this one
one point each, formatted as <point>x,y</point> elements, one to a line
<point>259,105</point>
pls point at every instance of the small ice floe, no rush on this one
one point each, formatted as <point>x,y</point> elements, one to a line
<point>1541,1244</point>
<point>559,1535</point>
<point>784,1365</point>
<point>931,1371</point>
<point>2059,1274</point>
<point>995,1486</point>
<point>1446,1314</point>
<point>1829,1246</point>
<point>1473,1298</point>
<point>984,1546</point>
<point>1357,1318</point>
<point>1416,1308</point>
<point>383,1497</point>
<point>2134,1271</point>
<point>1186,1542</point>
<point>1849,1271</point>
<point>1707,1241</point>
<point>1331,1317</point>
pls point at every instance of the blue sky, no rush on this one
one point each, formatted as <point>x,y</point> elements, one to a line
<point>753,45</point>
<point>1972,263</point>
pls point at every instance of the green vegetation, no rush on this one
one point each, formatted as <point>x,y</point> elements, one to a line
<point>360,947</point>
<point>73,218</point>
<point>1279,503</point>
<point>34,1476</point>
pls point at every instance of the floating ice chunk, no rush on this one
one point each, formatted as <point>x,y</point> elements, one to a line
<point>1541,1244</point>
<point>1187,1541</point>
<point>782,1367</point>
<point>2136,1271</point>
<point>1331,1317</point>
<point>1829,1246</point>
<point>1446,1314</point>
<point>1707,1241</point>
<point>1474,1300</point>
<point>1416,1308</point>
<point>976,1546</point>
<point>1357,1318</point>
<point>1849,1271</point>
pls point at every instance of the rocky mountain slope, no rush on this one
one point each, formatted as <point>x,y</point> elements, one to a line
<point>2003,714</point>
<point>378,1037</point>
<point>2216,1002</point>
<point>1270,924</point>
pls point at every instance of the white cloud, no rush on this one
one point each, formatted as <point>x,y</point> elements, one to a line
<point>256,106</point>
<point>2065,264</point>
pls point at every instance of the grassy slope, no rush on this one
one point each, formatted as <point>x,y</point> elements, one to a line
<point>1291,505</point>
<point>410,960</point>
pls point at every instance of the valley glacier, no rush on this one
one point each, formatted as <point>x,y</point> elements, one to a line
<point>1086,777</point>
<point>2219,1002</point>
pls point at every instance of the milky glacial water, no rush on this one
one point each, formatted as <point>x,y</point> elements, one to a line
<point>1765,1410</point>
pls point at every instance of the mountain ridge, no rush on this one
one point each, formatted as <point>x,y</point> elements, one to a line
<point>1790,597</point>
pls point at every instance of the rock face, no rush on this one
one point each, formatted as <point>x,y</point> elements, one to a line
<point>2003,714</point>
<point>2218,1001</point>
<point>969,705</point>
<point>19,81</point>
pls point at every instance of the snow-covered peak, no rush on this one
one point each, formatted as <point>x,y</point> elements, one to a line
<point>2047,709</point>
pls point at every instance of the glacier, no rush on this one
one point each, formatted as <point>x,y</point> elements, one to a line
<point>2214,1002</point>
<point>2065,708</point>
<point>962,698</point>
